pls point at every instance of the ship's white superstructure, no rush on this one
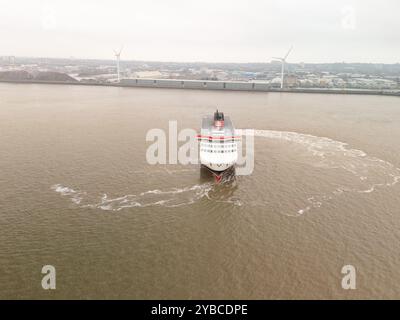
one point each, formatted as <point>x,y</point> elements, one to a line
<point>218,143</point>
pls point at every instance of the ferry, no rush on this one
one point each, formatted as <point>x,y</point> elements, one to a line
<point>218,145</point>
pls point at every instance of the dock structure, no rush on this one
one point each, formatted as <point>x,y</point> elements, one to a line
<point>194,84</point>
<point>241,86</point>
<point>212,85</point>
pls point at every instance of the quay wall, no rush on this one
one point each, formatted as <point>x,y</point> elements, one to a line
<point>211,85</point>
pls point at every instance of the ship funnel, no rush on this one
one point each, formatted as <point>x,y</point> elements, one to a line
<point>219,119</point>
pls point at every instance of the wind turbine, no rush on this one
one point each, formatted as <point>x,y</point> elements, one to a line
<point>118,56</point>
<point>283,62</point>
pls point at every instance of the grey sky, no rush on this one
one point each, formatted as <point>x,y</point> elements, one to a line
<point>206,30</point>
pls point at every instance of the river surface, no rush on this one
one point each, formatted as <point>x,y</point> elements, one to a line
<point>76,192</point>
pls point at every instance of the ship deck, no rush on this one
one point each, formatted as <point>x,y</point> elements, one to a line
<point>208,128</point>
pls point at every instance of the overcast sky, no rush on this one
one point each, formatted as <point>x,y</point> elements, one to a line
<point>203,30</point>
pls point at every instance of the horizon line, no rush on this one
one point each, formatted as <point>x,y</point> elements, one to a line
<point>192,61</point>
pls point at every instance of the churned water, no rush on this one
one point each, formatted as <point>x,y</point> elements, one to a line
<point>78,193</point>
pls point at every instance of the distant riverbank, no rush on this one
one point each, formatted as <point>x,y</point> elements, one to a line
<point>211,85</point>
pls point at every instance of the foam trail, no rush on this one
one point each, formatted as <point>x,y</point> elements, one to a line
<point>367,174</point>
<point>75,196</point>
<point>370,172</point>
<point>174,197</point>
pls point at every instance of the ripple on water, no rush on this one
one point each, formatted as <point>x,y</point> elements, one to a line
<point>364,174</point>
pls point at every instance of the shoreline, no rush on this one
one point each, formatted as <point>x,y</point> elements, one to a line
<point>213,86</point>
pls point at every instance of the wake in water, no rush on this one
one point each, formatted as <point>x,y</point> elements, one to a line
<point>365,173</point>
<point>362,173</point>
<point>174,197</point>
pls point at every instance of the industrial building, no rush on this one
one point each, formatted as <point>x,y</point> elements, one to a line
<point>196,84</point>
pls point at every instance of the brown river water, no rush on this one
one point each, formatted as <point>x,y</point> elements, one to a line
<point>76,192</point>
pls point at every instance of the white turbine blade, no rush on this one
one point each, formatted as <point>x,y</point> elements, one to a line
<point>287,54</point>
<point>276,58</point>
<point>120,50</point>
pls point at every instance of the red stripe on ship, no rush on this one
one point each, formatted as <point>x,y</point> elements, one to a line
<point>216,138</point>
